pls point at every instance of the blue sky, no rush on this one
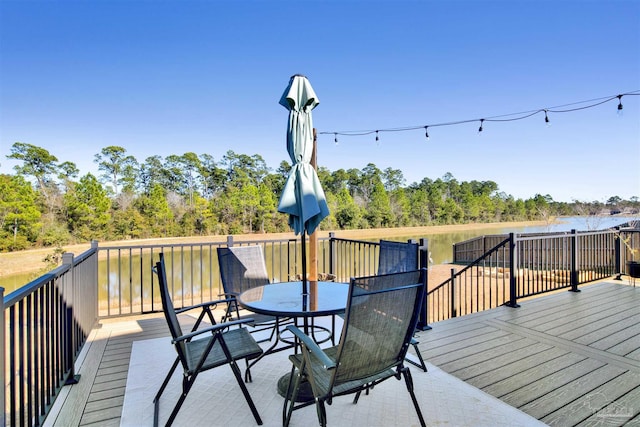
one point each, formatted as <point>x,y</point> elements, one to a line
<point>169,77</point>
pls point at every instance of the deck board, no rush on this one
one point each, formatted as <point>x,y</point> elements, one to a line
<point>504,380</point>
<point>567,359</point>
<point>509,363</point>
<point>586,335</point>
<point>582,347</point>
<point>562,396</point>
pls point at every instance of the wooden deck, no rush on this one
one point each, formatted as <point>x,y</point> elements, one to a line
<point>567,359</point>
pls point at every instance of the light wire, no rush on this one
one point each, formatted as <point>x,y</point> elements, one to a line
<point>499,118</point>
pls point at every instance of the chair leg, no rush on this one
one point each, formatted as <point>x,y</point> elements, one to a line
<point>247,374</point>
<point>322,413</point>
<point>187,382</point>
<point>420,365</point>
<point>290,397</point>
<point>247,396</point>
<point>409,381</point>
<point>156,399</point>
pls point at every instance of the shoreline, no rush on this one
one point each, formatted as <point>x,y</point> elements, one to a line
<point>31,260</point>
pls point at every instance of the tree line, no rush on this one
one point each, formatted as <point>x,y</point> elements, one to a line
<point>47,203</point>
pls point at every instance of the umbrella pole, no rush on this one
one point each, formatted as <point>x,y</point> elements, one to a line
<point>305,290</point>
<point>313,237</point>
<point>304,264</point>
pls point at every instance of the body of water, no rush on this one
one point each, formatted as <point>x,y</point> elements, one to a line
<point>440,245</point>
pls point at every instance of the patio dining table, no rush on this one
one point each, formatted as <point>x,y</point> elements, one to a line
<point>287,300</point>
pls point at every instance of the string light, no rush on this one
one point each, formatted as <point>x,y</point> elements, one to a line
<point>575,106</point>
<point>335,140</point>
<point>620,105</point>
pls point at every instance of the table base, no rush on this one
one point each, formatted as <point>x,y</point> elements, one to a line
<point>305,394</point>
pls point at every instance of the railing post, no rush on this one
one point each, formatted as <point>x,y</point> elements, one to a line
<point>69,287</point>
<point>2,362</point>
<point>423,262</point>
<point>229,241</point>
<point>454,312</point>
<point>332,242</point>
<point>617,251</point>
<point>575,278</point>
<point>513,268</point>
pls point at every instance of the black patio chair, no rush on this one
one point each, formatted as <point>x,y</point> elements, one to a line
<point>397,257</point>
<point>203,349</point>
<point>243,268</point>
<point>381,316</point>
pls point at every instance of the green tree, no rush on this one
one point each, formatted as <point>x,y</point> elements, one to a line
<point>450,213</point>
<point>242,168</point>
<point>400,208</point>
<point>19,213</point>
<point>212,177</point>
<point>346,212</point>
<point>151,173</point>
<point>40,164</point>
<point>393,179</point>
<point>335,182</point>
<point>156,211</point>
<point>116,166</point>
<point>173,176</point>
<point>419,206</point>
<point>378,212</point>
<point>191,166</point>
<point>127,223</point>
<point>88,208</point>
<point>267,212</point>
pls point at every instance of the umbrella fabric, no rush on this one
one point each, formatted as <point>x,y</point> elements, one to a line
<point>303,197</point>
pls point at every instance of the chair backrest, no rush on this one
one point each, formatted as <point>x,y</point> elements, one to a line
<point>381,316</point>
<point>168,309</point>
<point>242,268</point>
<point>395,257</point>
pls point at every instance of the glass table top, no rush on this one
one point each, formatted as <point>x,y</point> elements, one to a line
<point>287,299</point>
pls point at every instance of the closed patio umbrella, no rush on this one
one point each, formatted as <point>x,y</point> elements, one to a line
<point>303,198</point>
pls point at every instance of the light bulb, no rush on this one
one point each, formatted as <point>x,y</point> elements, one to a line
<point>620,112</point>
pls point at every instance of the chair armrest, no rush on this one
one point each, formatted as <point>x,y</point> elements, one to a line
<point>204,304</point>
<point>210,329</point>
<point>229,295</point>
<point>311,345</point>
